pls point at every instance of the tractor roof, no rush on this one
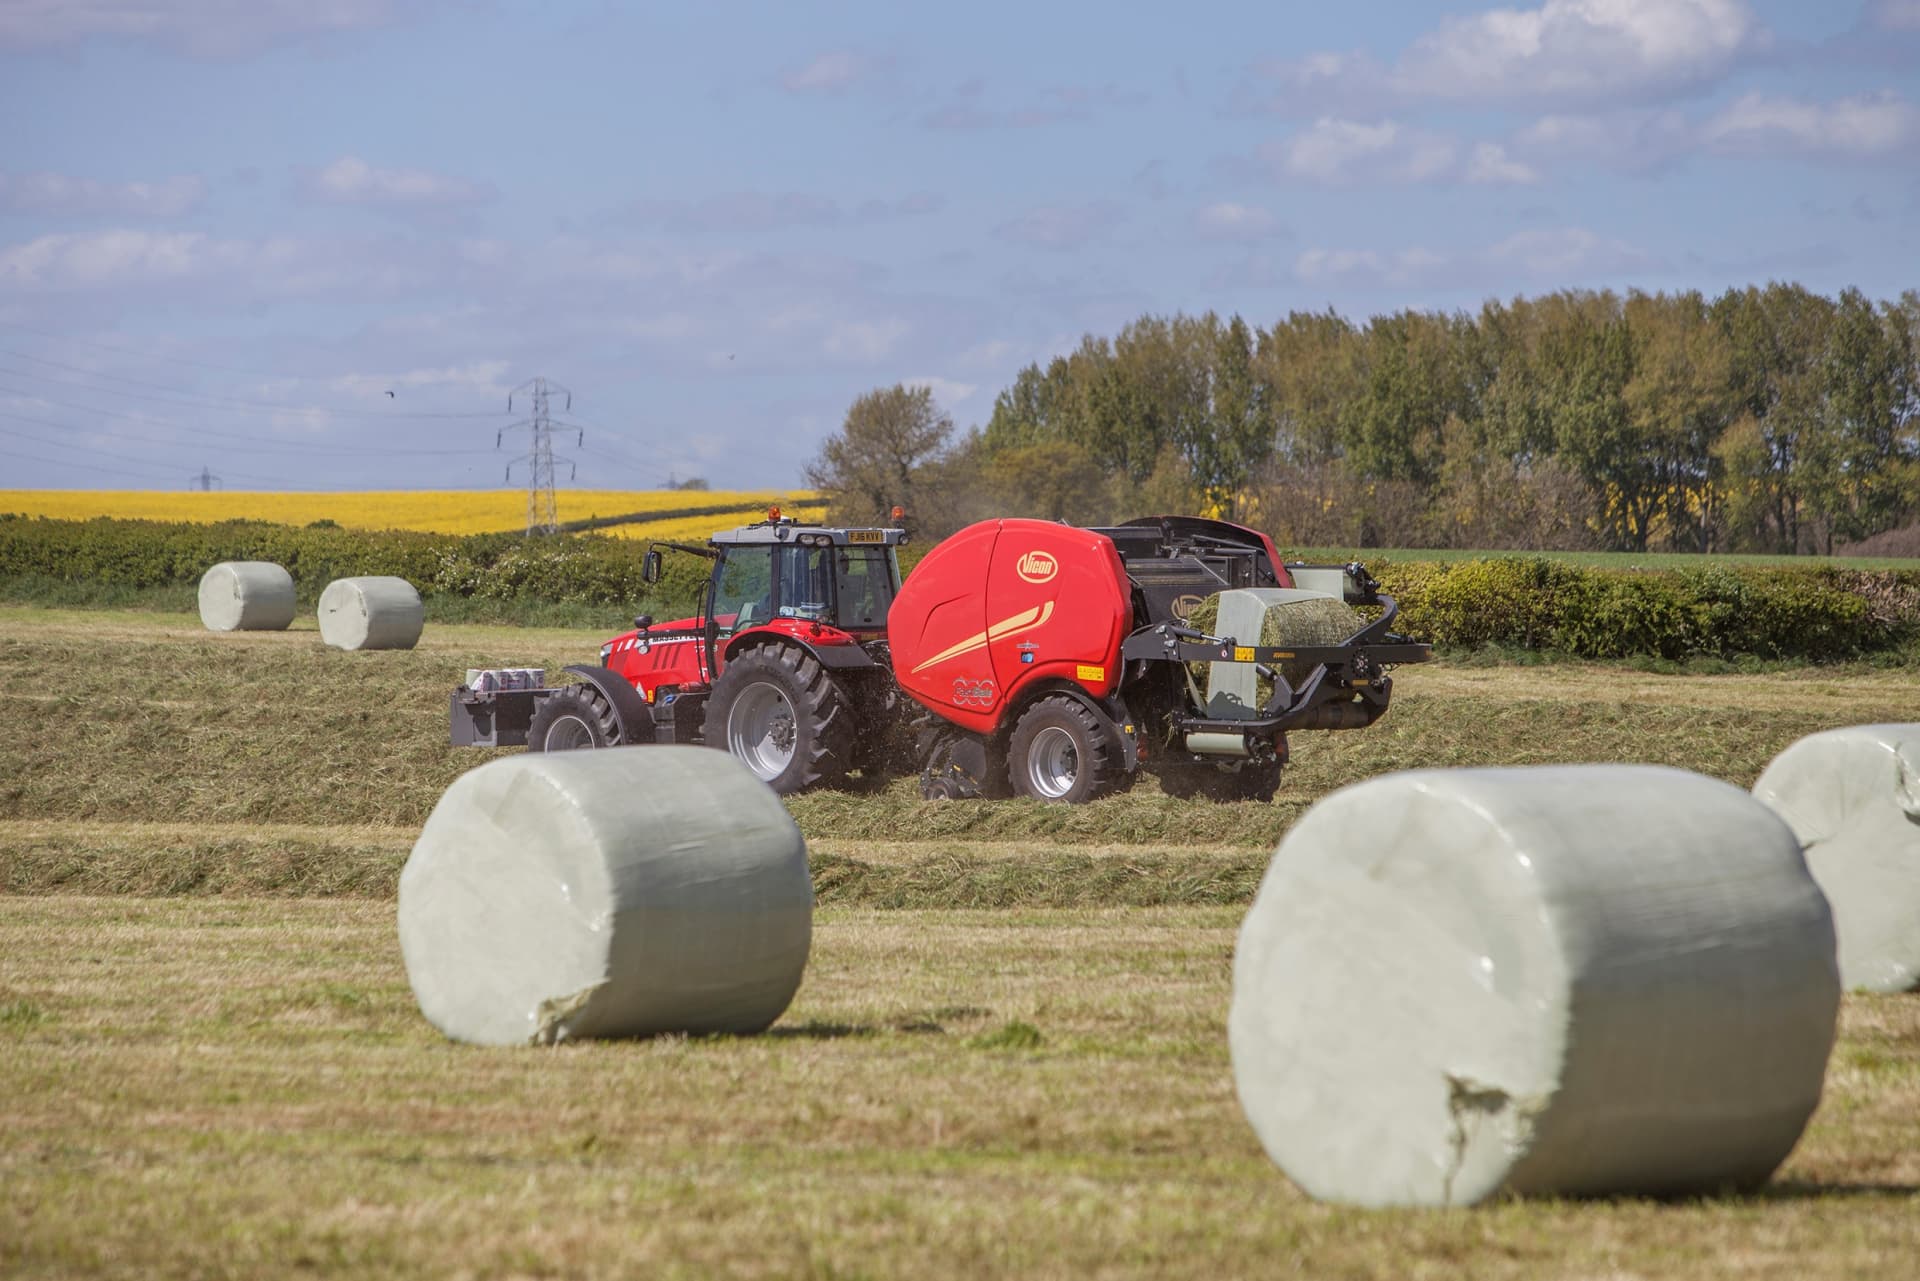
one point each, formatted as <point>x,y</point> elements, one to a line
<point>786,530</point>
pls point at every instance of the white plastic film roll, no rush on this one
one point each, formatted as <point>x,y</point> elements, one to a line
<point>246,596</point>
<point>1555,981</point>
<point>1852,796</point>
<point>618,892</point>
<point>371,613</point>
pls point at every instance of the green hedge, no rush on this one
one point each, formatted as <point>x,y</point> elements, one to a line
<point>1815,612</point>
<point>134,553</point>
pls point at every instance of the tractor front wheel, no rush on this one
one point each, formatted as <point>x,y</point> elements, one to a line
<point>1060,752</point>
<point>783,716</point>
<point>575,717</point>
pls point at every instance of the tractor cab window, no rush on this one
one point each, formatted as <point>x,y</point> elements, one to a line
<point>743,589</point>
<point>866,580</point>
<point>806,583</point>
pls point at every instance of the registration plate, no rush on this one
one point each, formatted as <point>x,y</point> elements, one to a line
<point>866,535</point>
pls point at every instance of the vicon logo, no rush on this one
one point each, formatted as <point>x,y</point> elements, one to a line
<point>1037,567</point>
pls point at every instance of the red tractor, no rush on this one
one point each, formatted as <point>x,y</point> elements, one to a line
<point>1023,657</point>
<point>785,665</point>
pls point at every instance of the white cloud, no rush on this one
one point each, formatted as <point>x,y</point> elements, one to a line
<point>204,28</point>
<point>481,377</point>
<point>1061,227</point>
<point>352,181</point>
<point>761,211</point>
<point>1566,254</point>
<point>1894,15</point>
<point>1579,50</point>
<point>945,390</point>
<point>61,194</point>
<point>864,341</point>
<point>1229,220</point>
<point>275,266</point>
<point>1345,153</point>
<point>1490,165</point>
<point>832,72</point>
<point>1866,125</point>
<point>1541,259</point>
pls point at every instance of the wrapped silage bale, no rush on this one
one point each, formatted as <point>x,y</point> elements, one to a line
<point>371,613</point>
<point>1567,980</point>
<point>1852,796</point>
<point>246,596</point>
<point>623,892</point>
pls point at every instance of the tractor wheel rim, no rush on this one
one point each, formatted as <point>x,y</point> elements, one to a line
<point>1053,762</point>
<point>761,730</point>
<point>568,733</point>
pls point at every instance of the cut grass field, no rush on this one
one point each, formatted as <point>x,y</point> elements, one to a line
<point>244,1089</point>
<point>1008,1056</point>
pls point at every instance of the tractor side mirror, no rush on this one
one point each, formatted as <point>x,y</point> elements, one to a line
<point>643,621</point>
<point>650,567</point>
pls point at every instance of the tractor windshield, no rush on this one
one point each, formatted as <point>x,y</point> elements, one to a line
<point>866,579</point>
<point>805,588</point>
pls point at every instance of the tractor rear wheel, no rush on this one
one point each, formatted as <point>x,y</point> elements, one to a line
<point>783,716</point>
<point>1060,752</point>
<point>574,717</point>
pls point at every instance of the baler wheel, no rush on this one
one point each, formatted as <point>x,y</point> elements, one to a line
<point>784,716</point>
<point>578,716</point>
<point>1060,752</point>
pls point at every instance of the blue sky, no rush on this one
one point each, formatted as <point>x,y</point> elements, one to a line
<point>228,229</point>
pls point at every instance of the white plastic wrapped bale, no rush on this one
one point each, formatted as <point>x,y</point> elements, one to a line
<point>371,613</point>
<point>623,892</point>
<point>1572,980</point>
<point>246,596</point>
<point>1852,796</point>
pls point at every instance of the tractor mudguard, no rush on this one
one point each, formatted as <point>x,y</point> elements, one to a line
<point>629,709</point>
<point>842,653</point>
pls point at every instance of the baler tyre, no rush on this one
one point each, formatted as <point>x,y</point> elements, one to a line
<point>574,718</point>
<point>1060,752</point>
<point>782,714</point>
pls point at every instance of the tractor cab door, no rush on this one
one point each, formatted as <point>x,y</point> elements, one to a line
<point>739,595</point>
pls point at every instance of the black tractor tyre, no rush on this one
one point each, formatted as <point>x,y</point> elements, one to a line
<point>1060,752</point>
<point>574,717</point>
<point>784,716</point>
<point>1246,781</point>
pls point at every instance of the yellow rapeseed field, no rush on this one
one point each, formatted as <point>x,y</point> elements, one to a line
<point>436,511</point>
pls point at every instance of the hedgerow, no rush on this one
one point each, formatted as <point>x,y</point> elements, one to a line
<point>1795,612</point>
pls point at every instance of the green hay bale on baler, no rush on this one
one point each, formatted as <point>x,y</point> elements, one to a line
<point>1303,622</point>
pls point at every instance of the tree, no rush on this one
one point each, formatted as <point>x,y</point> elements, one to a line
<point>883,455</point>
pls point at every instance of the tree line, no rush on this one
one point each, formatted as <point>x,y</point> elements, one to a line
<point>1768,419</point>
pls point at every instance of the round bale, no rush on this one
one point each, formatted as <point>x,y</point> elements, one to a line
<point>246,596</point>
<point>625,892</point>
<point>1852,796</point>
<point>1572,980</point>
<point>371,613</point>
